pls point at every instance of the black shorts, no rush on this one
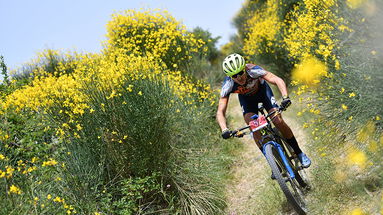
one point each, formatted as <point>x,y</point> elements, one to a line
<point>264,95</point>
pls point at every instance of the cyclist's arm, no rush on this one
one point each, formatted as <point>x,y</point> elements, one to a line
<point>273,79</point>
<point>221,112</point>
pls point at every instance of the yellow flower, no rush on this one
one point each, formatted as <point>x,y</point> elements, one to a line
<point>9,171</point>
<point>351,94</point>
<point>2,157</point>
<point>140,93</point>
<point>337,65</point>
<point>357,157</point>
<point>34,159</point>
<point>58,199</point>
<point>357,211</point>
<point>344,107</point>
<point>51,162</point>
<point>49,196</point>
<point>309,71</point>
<point>14,189</point>
<point>129,88</point>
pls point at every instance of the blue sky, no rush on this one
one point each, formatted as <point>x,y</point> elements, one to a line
<point>29,26</point>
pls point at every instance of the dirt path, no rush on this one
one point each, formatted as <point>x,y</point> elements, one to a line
<point>251,174</point>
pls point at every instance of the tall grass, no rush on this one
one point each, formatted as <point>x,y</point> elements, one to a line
<point>123,132</point>
<point>340,107</point>
<point>349,151</point>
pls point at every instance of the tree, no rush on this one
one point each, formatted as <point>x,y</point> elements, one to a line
<point>4,70</point>
<point>210,43</point>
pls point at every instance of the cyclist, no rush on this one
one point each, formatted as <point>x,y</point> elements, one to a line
<point>250,82</point>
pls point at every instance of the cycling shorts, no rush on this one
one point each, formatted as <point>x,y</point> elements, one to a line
<point>249,103</point>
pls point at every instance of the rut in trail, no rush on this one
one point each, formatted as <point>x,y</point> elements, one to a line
<point>251,191</point>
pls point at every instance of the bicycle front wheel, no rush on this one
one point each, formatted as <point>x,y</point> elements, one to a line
<point>289,186</point>
<point>300,173</point>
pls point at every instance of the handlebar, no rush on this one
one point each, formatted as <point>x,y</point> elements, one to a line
<point>270,117</point>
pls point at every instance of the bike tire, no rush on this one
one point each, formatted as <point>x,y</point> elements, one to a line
<point>292,191</point>
<point>299,172</point>
<point>300,175</point>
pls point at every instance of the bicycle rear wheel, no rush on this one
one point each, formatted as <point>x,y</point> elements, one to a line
<point>290,187</point>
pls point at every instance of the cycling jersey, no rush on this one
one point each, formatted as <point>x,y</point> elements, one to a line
<point>254,91</point>
<point>254,73</point>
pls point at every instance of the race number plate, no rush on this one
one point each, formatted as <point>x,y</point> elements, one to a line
<point>258,123</point>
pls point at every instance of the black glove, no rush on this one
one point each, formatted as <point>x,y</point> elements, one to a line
<point>286,102</point>
<point>226,134</point>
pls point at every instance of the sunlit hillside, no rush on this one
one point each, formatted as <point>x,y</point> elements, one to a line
<point>132,130</point>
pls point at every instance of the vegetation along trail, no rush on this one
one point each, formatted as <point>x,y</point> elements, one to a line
<point>79,132</point>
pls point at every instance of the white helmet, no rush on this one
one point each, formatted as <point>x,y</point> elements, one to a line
<point>233,64</point>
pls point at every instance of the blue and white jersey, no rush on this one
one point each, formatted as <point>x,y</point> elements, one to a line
<point>255,74</point>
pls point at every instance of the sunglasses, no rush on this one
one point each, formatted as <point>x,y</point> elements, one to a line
<point>238,74</point>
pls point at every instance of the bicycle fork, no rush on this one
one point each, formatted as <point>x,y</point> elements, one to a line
<point>282,155</point>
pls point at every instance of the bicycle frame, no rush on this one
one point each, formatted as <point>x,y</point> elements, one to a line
<point>269,133</point>
<point>283,156</point>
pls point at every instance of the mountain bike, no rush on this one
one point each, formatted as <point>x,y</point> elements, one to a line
<point>284,163</point>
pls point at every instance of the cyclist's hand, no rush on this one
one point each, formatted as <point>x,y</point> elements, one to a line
<point>286,102</point>
<point>226,134</point>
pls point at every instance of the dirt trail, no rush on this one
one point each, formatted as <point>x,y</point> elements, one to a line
<point>250,173</point>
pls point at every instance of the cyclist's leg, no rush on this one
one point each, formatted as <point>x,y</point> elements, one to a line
<point>249,105</point>
<point>270,104</point>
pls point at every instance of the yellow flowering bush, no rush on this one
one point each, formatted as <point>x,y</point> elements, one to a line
<point>153,33</point>
<point>332,51</point>
<point>263,29</point>
<point>308,29</point>
<point>100,119</point>
<point>312,25</point>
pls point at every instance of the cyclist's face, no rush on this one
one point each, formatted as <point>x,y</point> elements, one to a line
<point>240,78</point>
